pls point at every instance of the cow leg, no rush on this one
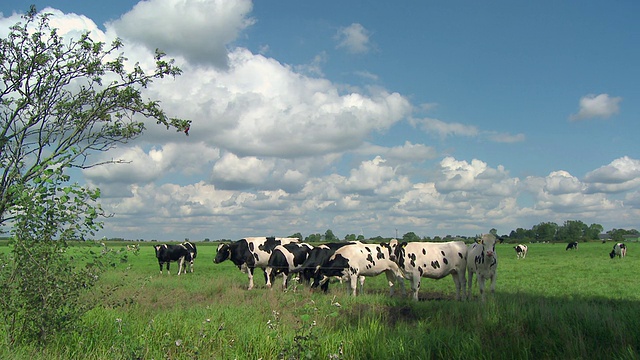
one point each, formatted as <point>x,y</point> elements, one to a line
<point>469,284</point>
<point>459,282</point>
<point>250,274</point>
<point>493,283</point>
<point>481,286</point>
<point>361,282</point>
<point>160,263</point>
<point>180,265</point>
<point>168,263</point>
<point>285,280</point>
<point>269,274</point>
<point>353,282</point>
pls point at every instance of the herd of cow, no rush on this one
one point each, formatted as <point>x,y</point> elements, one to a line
<point>351,262</point>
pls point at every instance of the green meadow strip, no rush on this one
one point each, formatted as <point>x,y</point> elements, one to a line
<point>554,304</point>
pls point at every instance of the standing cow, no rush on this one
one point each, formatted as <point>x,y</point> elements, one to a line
<point>284,260</point>
<point>318,256</point>
<point>250,253</point>
<point>168,253</point>
<point>619,250</point>
<point>193,252</point>
<point>356,260</point>
<point>521,251</point>
<point>572,246</point>
<point>482,261</point>
<point>432,260</point>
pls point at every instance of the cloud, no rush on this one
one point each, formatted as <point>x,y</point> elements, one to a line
<point>506,138</point>
<point>597,106</point>
<point>260,107</point>
<point>476,177</point>
<point>621,174</point>
<point>444,129</point>
<point>354,38</point>
<point>197,30</point>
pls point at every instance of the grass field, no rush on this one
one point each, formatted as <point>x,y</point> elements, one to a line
<point>555,304</point>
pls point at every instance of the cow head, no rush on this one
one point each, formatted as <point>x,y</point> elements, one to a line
<point>224,253</point>
<point>488,242</point>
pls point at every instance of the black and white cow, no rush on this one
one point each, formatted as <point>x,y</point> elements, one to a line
<point>521,251</point>
<point>285,259</point>
<point>482,261</point>
<point>250,253</point>
<point>355,260</point>
<point>193,252</point>
<point>572,246</point>
<point>168,253</point>
<point>432,260</point>
<point>317,257</point>
<point>619,250</point>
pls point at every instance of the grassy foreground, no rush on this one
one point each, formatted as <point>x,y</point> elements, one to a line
<point>555,304</point>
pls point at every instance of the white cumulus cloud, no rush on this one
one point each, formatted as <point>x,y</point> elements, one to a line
<point>597,106</point>
<point>354,38</point>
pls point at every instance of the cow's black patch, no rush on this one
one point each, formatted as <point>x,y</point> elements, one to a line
<point>442,252</point>
<point>435,264</point>
<point>269,244</point>
<point>445,261</point>
<point>424,251</point>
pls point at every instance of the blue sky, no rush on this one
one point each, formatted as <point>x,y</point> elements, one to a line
<point>366,117</point>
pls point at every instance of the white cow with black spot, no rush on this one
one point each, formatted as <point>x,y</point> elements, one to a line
<point>432,260</point>
<point>482,261</point>
<point>521,251</point>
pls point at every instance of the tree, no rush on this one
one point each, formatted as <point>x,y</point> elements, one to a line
<point>545,231</point>
<point>572,230</point>
<point>350,237</point>
<point>297,235</point>
<point>593,232</point>
<point>329,236</point>
<point>60,100</point>
<point>410,237</point>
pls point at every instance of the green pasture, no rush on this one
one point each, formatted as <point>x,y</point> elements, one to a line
<point>554,304</point>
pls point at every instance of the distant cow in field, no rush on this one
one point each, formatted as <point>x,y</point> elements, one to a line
<point>284,260</point>
<point>619,250</point>
<point>521,251</point>
<point>432,260</point>
<point>168,253</point>
<point>482,260</point>
<point>572,246</point>
<point>250,253</point>
<point>356,260</point>
<point>193,252</point>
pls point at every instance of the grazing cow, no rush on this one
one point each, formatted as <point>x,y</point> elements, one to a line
<point>317,257</point>
<point>483,261</point>
<point>250,253</point>
<point>284,260</point>
<point>193,252</point>
<point>355,260</point>
<point>521,251</point>
<point>619,250</point>
<point>168,253</point>
<point>432,260</point>
<point>572,246</point>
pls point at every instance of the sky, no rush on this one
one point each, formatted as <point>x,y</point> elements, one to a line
<point>373,118</point>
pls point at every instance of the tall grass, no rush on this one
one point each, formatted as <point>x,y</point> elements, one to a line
<point>553,304</point>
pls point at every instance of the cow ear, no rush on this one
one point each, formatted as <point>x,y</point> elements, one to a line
<point>404,244</point>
